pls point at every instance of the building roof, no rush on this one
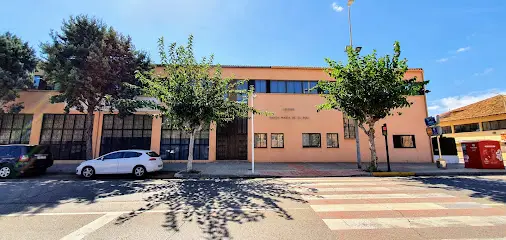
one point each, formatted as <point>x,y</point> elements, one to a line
<point>488,107</point>
<point>285,67</point>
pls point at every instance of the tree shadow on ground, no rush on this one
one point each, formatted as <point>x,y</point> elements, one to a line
<point>30,197</point>
<point>214,204</point>
<point>493,189</point>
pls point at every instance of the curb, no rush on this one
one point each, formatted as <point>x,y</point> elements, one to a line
<point>393,174</point>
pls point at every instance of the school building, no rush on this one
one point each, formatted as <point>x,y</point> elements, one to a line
<point>295,132</point>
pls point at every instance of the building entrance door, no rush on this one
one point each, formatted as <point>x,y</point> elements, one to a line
<point>232,140</point>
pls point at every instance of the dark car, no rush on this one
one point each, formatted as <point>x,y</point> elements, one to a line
<point>18,159</point>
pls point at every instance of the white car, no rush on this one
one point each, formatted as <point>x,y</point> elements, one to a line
<point>137,162</point>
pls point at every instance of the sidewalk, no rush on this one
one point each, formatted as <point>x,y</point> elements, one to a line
<point>235,169</point>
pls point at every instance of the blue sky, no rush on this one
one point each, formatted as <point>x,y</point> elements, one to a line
<point>457,43</point>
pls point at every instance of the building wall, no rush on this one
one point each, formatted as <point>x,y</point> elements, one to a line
<point>300,106</point>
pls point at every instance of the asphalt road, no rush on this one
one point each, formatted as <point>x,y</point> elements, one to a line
<point>288,208</point>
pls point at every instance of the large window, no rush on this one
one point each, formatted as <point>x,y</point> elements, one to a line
<point>130,132</point>
<point>64,134</point>
<point>278,86</point>
<point>15,128</point>
<point>332,140</point>
<point>309,87</point>
<point>349,128</point>
<point>176,143</point>
<point>293,87</point>
<point>473,127</point>
<point>494,125</point>
<point>311,140</point>
<point>260,140</point>
<point>277,140</point>
<point>404,141</point>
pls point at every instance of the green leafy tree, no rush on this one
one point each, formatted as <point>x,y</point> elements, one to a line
<point>93,67</point>
<point>369,88</point>
<point>193,94</point>
<point>17,62</point>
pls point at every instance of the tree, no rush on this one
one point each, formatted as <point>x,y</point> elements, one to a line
<point>17,62</point>
<point>193,94</point>
<point>93,67</point>
<point>368,89</point>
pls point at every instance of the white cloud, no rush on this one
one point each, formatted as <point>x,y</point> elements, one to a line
<point>442,60</point>
<point>463,49</point>
<point>485,72</point>
<point>336,7</point>
<point>449,103</point>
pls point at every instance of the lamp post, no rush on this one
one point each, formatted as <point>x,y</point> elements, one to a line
<point>252,136</point>
<point>357,137</point>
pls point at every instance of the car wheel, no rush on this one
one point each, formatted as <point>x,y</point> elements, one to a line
<point>139,171</point>
<point>6,171</point>
<point>88,172</point>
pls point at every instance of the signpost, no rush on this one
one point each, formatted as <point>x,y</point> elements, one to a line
<point>384,131</point>
<point>434,130</point>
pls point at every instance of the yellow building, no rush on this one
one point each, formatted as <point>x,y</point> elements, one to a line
<point>484,120</point>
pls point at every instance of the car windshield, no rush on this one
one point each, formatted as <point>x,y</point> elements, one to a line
<point>152,154</point>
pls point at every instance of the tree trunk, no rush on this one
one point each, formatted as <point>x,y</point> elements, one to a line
<point>189,164</point>
<point>372,146</point>
<point>88,135</point>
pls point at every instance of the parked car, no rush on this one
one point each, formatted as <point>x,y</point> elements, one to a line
<point>17,159</point>
<point>136,162</point>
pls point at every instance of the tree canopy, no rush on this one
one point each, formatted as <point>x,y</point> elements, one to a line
<point>17,62</point>
<point>193,94</point>
<point>369,88</point>
<point>93,68</point>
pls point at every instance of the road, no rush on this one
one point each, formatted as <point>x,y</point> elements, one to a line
<point>285,208</point>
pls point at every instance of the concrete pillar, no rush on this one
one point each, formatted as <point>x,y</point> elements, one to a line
<point>156,134</point>
<point>36,129</point>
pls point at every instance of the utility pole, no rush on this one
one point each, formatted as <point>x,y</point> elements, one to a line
<point>357,137</point>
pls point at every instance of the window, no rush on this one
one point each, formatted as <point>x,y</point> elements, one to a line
<point>404,141</point>
<point>277,140</point>
<point>473,127</point>
<point>64,134</point>
<point>446,129</point>
<point>130,132</point>
<point>242,97</point>
<point>36,81</point>
<point>260,140</point>
<point>260,86</point>
<point>115,155</point>
<point>15,128</point>
<point>332,140</point>
<point>308,85</point>
<point>294,86</point>
<point>349,127</point>
<point>131,154</point>
<point>278,86</point>
<point>176,143</point>
<point>494,125</point>
<point>311,140</point>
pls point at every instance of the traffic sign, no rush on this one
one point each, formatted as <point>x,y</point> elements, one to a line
<point>430,121</point>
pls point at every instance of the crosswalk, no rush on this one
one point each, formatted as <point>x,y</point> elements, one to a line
<point>399,208</point>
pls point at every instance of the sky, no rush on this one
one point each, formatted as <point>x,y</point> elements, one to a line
<point>457,43</point>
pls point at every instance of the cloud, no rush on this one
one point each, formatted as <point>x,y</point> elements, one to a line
<point>453,102</point>
<point>442,60</point>
<point>485,72</point>
<point>463,49</point>
<point>336,7</point>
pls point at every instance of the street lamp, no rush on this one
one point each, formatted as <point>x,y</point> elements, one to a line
<point>253,96</point>
<point>357,138</point>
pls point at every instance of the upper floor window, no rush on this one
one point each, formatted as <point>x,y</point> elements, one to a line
<point>446,129</point>
<point>472,127</point>
<point>278,86</point>
<point>294,86</point>
<point>309,87</point>
<point>494,125</point>
<point>260,86</point>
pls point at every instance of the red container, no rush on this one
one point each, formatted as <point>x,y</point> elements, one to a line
<point>483,154</point>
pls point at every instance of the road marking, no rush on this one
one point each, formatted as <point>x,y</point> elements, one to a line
<point>149,211</point>
<point>422,222</point>
<point>378,196</point>
<point>375,207</point>
<point>319,180</point>
<point>362,189</point>
<point>91,227</point>
<point>347,183</point>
